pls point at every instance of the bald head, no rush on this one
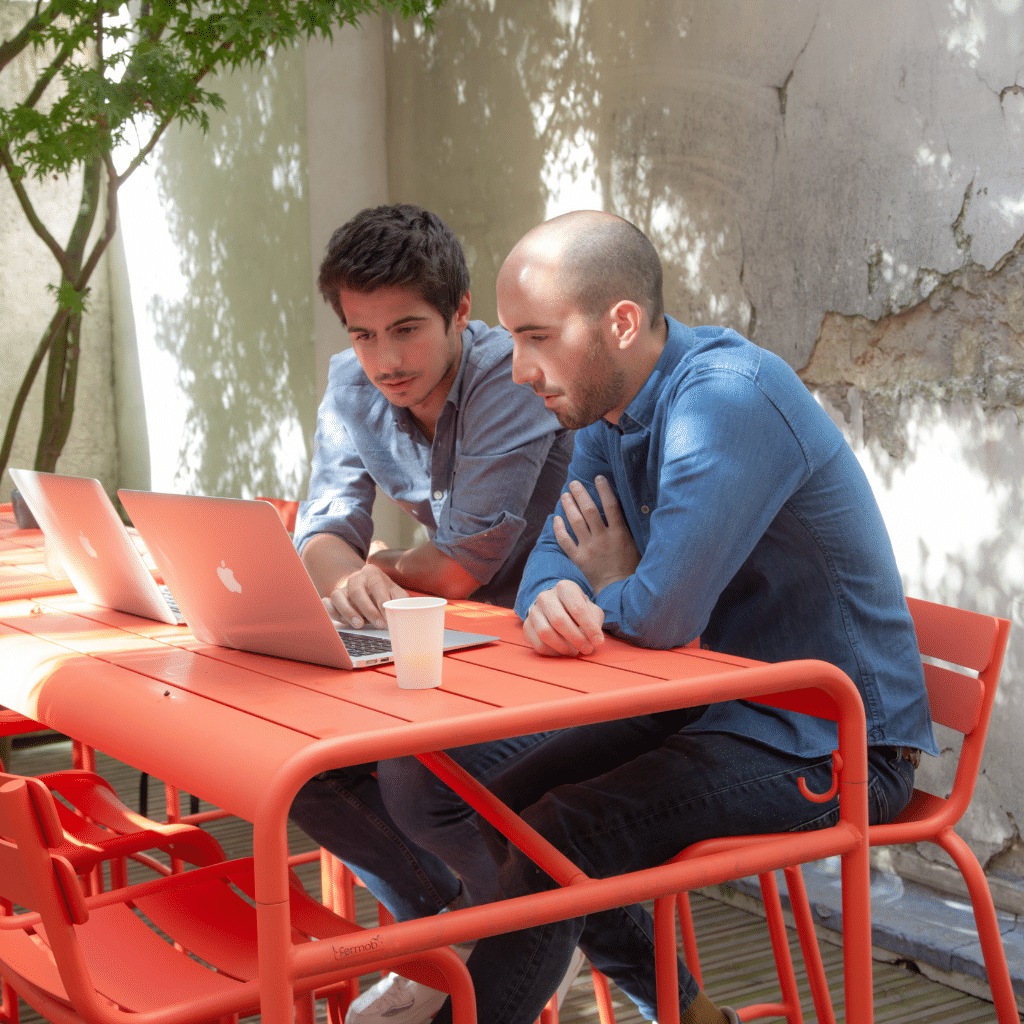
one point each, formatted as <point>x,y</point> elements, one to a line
<point>597,258</point>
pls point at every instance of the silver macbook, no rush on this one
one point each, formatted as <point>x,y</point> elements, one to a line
<point>241,583</point>
<point>94,547</point>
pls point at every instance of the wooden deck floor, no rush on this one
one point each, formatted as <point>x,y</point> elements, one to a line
<point>735,953</point>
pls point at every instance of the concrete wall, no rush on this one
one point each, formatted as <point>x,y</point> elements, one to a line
<point>26,268</point>
<point>216,230</point>
<point>842,182</point>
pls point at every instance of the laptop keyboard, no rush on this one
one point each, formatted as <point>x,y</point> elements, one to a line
<point>169,598</point>
<point>359,645</point>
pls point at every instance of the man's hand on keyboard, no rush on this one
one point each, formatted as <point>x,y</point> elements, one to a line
<point>359,599</point>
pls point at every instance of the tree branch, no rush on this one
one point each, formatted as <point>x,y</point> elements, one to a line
<point>48,75</point>
<point>33,218</point>
<point>86,213</point>
<point>161,128</point>
<point>10,48</point>
<point>56,326</point>
<point>109,226</point>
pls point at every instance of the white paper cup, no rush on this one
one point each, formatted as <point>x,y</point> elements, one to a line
<point>416,625</point>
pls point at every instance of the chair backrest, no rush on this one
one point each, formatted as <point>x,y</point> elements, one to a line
<point>287,510</point>
<point>33,877</point>
<point>30,876</point>
<point>961,693</point>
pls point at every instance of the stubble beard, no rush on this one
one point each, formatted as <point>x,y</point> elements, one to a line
<point>600,389</point>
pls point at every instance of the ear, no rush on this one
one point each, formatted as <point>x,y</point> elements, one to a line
<point>627,319</point>
<point>461,318</point>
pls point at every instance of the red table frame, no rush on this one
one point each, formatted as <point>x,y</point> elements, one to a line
<point>150,695</point>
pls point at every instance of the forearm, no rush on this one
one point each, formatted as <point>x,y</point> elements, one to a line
<point>426,569</point>
<point>545,568</point>
<point>329,561</point>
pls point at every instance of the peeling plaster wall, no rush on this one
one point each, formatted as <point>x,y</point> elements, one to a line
<point>842,182</point>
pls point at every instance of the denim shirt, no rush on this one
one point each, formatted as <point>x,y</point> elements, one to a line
<point>758,533</point>
<point>482,488</point>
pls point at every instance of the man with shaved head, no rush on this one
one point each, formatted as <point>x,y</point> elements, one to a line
<point>708,496</point>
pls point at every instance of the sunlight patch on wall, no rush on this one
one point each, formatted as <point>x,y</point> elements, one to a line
<point>290,456</point>
<point>952,503</point>
<point>154,269</point>
<point>570,177</point>
<point>939,509</point>
<point>969,34</point>
<point>569,174</point>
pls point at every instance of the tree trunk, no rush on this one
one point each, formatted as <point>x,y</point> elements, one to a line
<point>59,394</point>
<point>62,365</point>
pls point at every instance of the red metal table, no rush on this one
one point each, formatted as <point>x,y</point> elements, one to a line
<point>244,732</point>
<point>23,562</point>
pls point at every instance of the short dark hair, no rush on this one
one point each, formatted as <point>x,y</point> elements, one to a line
<point>610,260</point>
<point>399,246</point>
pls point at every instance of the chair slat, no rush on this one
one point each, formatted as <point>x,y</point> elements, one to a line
<point>17,887</point>
<point>31,961</point>
<point>954,635</point>
<point>955,699</point>
<point>16,814</point>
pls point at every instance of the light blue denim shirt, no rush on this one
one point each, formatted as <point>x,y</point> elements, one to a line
<point>758,532</point>
<point>482,489</point>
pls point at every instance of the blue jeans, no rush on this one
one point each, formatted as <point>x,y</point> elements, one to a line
<point>344,811</point>
<point>640,811</point>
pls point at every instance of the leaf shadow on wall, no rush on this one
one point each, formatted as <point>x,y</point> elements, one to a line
<point>508,114</point>
<point>242,335</point>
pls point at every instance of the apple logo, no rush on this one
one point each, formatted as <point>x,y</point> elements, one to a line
<point>84,541</point>
<point>227,577</point>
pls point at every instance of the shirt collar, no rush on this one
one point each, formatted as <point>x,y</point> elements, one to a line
<point>639,414</point>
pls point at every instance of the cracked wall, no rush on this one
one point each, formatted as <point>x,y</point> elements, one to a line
<point>964,343</point>
<point>842,182</point>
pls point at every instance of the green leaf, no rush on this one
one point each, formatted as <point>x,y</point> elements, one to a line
<point>68,298</point>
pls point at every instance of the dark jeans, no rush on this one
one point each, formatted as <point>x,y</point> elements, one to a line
<point>621,796</point>
<point>344,811</point>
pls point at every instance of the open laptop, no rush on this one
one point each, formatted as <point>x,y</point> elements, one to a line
<point>94,547</point>
<point>241,583</point>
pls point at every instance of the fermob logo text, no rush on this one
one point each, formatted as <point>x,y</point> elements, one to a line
<point>369,946</point>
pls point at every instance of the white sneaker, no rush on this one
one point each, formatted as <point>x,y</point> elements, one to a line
<point>397,1000</point>
<point>575,966</point>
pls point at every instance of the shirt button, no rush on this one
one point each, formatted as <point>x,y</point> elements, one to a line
<point>438,495</point>
<point>644,509</point>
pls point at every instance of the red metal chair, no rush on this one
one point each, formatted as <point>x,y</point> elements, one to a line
<point>97,828</point>
<point>287,510</point>
<point>104,958</point>
<point>961,695</point>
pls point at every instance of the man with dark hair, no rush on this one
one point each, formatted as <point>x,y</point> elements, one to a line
<point>424,407</point>
<point>478,462</point>
<point>396,247</point>
<point>709,496</point>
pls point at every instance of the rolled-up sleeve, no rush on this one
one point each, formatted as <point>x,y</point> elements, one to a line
<point>341,491</point>
<point>504,436</point>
